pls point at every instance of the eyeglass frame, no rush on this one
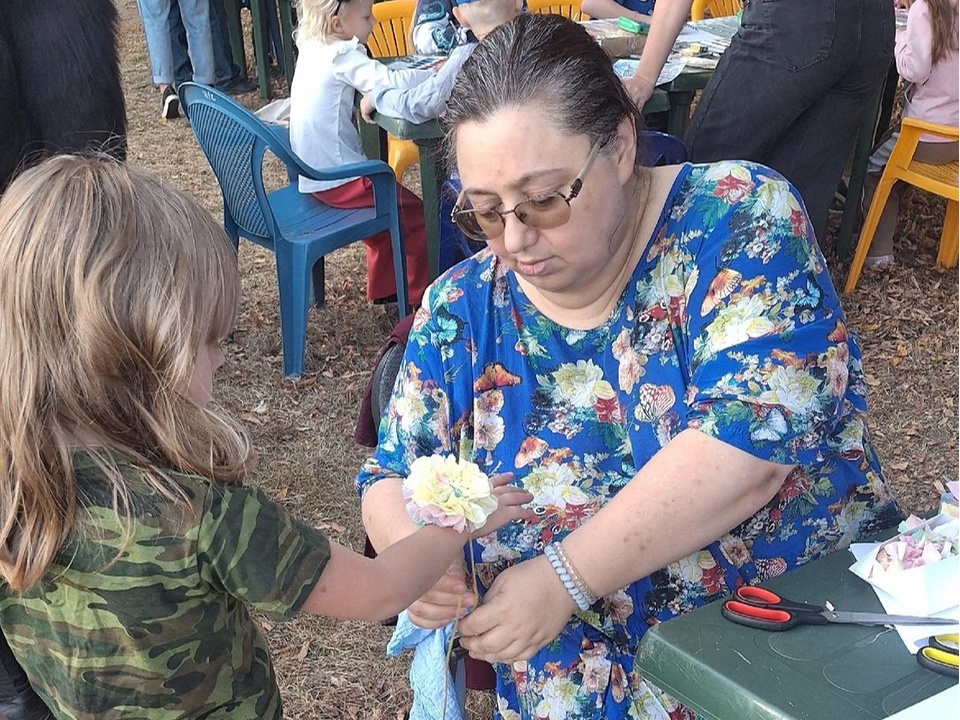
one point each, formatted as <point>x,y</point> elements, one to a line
<point>575,187</point>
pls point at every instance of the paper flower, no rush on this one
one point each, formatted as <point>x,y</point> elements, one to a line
<point>444,491</point>
<point>919,543</point>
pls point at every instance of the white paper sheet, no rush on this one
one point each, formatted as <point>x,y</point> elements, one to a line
<point>909,634</point>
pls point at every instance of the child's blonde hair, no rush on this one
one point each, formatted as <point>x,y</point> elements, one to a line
<point>315,20</point>
<point>110,282</point>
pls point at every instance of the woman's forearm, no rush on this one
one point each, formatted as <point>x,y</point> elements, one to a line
<point>669,17</point>
<point>692,492</point>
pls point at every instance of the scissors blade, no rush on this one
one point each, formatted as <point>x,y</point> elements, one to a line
<point>861,618</point>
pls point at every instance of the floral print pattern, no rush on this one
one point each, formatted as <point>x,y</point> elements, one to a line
<point>730,325</point>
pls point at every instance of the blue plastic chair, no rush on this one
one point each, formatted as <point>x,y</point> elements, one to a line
<point>298,228</point>
<point>657,148</point>
<point>653,149</point>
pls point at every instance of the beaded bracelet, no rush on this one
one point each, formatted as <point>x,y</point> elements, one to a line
<point>572,571</point>
<point>550,551</point>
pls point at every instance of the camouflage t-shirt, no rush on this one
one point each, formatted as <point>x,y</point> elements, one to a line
<point>164,631</point>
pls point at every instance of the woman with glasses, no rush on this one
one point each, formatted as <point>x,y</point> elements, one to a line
<point>657,354</point>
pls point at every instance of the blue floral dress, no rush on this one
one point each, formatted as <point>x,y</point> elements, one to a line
<point>730,325</point>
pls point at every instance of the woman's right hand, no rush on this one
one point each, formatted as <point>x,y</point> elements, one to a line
<point>639,88</point>
<point>439,605</point>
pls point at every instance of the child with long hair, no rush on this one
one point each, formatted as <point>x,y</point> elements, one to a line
<point>927,58</point>
<point>332,66</point>
<point>129,547</point>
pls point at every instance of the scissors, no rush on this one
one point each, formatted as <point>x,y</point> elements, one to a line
<point>940,655</point>
<point>765,610</point>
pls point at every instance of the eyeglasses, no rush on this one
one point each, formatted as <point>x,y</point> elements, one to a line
<point>340,4</point>
<point>543,213</point>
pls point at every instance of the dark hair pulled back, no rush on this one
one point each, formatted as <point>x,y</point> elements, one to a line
<point>544,60</point>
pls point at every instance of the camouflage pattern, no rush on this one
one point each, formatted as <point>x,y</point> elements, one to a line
<point>164,631</point>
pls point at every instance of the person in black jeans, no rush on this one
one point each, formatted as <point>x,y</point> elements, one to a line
<point>791,89</point>
<point>229,78</point>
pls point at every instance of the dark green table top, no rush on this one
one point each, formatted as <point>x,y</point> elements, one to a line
<point>726,671</point>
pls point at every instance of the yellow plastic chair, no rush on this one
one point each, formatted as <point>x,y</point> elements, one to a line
<point>567,8</point>
<point>391,38</point>
<point>702,9</point>
<point>939,179</point>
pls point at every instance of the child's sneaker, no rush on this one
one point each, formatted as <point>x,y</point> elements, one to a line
<point>878,260</point>
<point>170,107</point>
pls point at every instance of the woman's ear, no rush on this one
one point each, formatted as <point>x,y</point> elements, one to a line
<point>626,149</point>
<point>459,17</point>
<point>336,25</point>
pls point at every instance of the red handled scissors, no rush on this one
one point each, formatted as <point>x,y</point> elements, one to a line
<point>765,610</point>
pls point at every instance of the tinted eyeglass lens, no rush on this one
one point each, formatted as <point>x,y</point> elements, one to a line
<point>469,223</point>
<point>543,214</point>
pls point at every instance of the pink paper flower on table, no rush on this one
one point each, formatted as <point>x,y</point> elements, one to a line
<point>441,490</point>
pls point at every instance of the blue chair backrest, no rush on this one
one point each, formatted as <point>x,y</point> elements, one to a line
<point>657,148</point>
<point>234,141</point>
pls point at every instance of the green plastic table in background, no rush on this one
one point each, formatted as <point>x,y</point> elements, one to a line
<point>726,671</point>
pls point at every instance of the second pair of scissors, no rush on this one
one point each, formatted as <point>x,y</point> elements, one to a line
<point>765,610</point>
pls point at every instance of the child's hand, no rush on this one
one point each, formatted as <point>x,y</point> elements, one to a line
<point>367,109</point>
<point>511,500</point>
<point>441,603</point>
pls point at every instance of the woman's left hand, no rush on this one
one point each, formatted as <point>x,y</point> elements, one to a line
<point>526,607</point>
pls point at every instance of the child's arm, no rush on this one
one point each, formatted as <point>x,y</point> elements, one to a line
<point>425,101</point>
<point>914,48</point>
<point>611,9</point>
<point>364,73</point>
<point>354,587</point>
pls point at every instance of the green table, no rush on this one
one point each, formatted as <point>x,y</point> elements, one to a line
<point>726,671</point>
<point>673,98</point>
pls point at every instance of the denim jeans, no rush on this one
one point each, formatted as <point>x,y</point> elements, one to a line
<point>226,71</point>
<point>156,26</point>
<point>791,89</point>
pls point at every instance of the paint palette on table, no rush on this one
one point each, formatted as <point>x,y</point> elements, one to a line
<point>418,62</point>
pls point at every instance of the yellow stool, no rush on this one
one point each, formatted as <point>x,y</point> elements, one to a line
<point>567,8</point>
<point>391,38</point>
<point>702,9</point>
<point>939,179</point>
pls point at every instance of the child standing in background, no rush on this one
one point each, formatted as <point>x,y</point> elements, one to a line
<point>926,56</point>
<point>129,549</point>
<point>331,67</point>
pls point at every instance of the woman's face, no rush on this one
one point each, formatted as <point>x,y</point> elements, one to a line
<point>515,156</point>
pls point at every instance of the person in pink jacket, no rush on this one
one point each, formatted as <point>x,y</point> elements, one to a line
<point>926,55</point>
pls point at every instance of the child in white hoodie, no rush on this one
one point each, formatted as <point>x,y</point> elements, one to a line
<point>332,67</point>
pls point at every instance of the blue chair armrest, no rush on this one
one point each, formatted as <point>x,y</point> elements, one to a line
<point>299,167</point>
